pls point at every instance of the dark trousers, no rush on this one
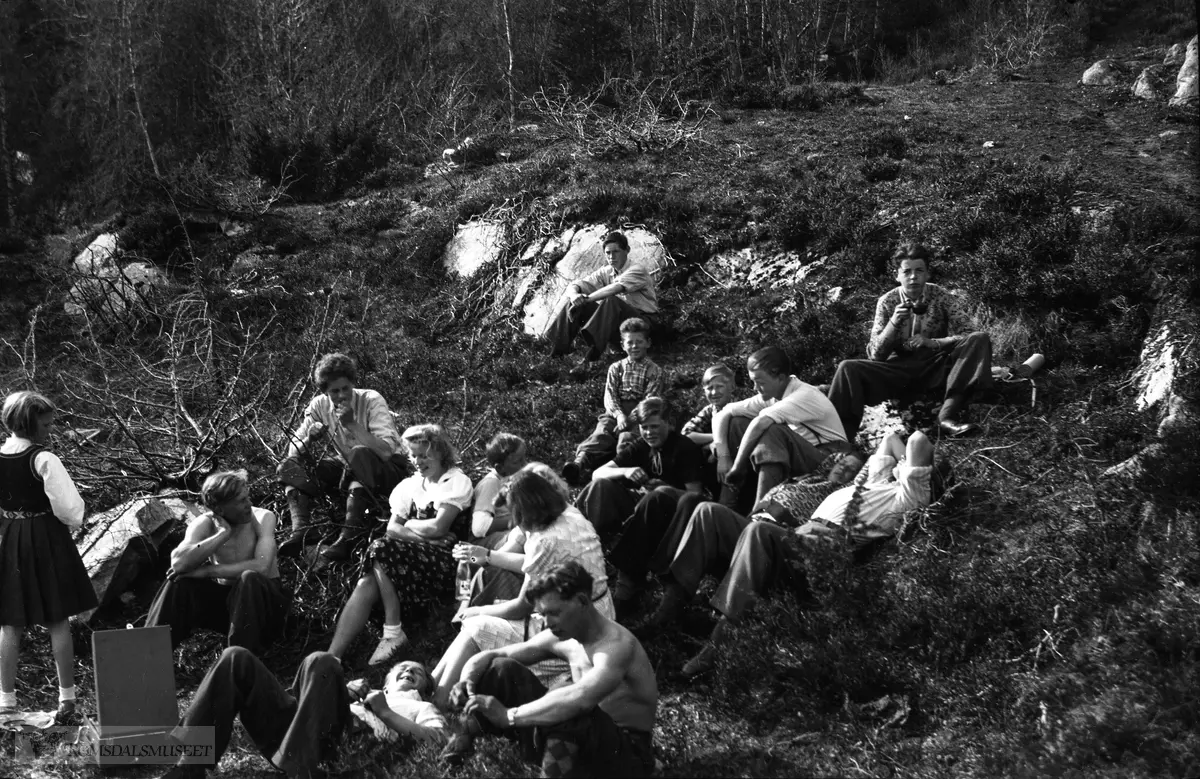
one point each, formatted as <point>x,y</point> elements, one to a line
<point>652,533</point>
<point>365,469</point>
<point>708,545</point>
<point>589,744</point>
<point>762,556</point>
<point>779,445</point>
<point>294,729</point>
<point>959,373</point>
<point>598,323</point>
<point>607,503</point>
<point>601,446</point>
<point>252,611</point>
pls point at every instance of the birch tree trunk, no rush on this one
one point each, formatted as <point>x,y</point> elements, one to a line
<point>508,76</point>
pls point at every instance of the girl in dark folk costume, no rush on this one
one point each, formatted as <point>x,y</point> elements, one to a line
<point>42,578</point>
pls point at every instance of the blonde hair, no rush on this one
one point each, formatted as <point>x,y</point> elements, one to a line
<point>224,486</point>
<point>439,443</point>
<point>22,409</point>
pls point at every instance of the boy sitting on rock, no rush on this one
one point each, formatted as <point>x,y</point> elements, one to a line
<point>629,382</point>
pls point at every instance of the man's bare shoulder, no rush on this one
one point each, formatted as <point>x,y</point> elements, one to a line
<point>264,517</point>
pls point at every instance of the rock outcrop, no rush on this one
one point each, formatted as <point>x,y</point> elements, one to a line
<point>111,292</point>
<point>1168,353</point>
<point>475,244</point>
<point>1188,81</point>
<point>1151,83</point>
<point>1175,55</point>
<point>1104,73</point>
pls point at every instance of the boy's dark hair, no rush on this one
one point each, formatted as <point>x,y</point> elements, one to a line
<point>566,580</point>
<point>635,324</point>
<point>333,367</point>
<point>617,237</point>
<point>911,250</point>
<point>534,501</point>
<point>771,359</point>
<point>501,447</point>
<point>651,407</point>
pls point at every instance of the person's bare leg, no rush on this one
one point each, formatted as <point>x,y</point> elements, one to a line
<point>391,599</point>
<point>64,653</point>
<point>769,475</point>
<point>893,446</point>
<point>354,615</point>
<point>10,650</point>
<point>449,668</point>
<point>919,451</point>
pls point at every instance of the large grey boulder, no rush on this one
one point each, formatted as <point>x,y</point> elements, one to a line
<point>1175,55</point>
<point>101,253</point>
<point>110,293</point>
<point>1188,81</point>
<point>1103,73</point>
<point>1151,83</point>
<point>117,544</point>
<point>540,295</point>
<point>1167,354</point>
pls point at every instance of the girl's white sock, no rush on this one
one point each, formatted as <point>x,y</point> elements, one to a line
<point>8,700</point>
<point>393,631</point>
<point>66,693</point>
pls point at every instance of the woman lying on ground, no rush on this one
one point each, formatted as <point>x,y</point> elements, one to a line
<point>554,532</point>
<point>412,563</point>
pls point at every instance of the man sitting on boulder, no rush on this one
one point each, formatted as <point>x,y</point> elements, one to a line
<point>601,723</point>
<point>921,341</point>
<point>787,429</point>
<point>366,462</point>
<point>223,574</point>
<point>597,304</point>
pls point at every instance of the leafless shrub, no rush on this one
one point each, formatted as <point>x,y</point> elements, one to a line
<point>648,117</point>
<point>1014,39</point>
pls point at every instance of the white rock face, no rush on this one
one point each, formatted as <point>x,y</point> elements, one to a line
<point>1150,83</point>
<point>110,292</point>
<point>584,255</point>
<point>118,542</point>
<point>1175,55</point>
<point>100,253</point>
<point>1188,81</point>
<point>474,245</point>
<point>1104,73</point>
<point>1169,347</point>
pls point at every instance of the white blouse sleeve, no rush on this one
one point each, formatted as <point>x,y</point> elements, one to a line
<point>65,501</point>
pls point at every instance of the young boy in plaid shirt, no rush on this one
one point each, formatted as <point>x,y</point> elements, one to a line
<point>630,381</point>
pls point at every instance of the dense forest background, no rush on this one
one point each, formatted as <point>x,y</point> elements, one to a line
<point>118,101</point>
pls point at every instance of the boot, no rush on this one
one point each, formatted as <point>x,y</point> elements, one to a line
<point>352,531</point>
<point>298,507</point>
<point>949,418</point>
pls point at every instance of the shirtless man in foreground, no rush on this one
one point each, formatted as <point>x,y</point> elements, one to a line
<point>223,574</point>
<point>602,722</point>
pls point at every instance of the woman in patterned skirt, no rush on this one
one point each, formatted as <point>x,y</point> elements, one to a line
<point>412,563</point>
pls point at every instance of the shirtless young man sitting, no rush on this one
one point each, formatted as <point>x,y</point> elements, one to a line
<point>601,722</point>
<point>223,574</point>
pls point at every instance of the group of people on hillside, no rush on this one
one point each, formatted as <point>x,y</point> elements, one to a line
<point>548,652</point>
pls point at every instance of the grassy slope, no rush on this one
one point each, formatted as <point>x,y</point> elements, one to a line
<point>1047,625</point>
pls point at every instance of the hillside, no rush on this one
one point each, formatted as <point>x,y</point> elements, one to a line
<point>1046,622</point>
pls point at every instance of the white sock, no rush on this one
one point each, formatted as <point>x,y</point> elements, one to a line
<point>66,693</point>
<point>8,700</point>
<point>393,631</point>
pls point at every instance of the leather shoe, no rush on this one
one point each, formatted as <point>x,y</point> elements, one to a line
<point>572,473</point>
<point>948,427</point>
<point>458,748</point>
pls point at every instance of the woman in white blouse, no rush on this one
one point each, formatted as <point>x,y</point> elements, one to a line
<point>412,562</point>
